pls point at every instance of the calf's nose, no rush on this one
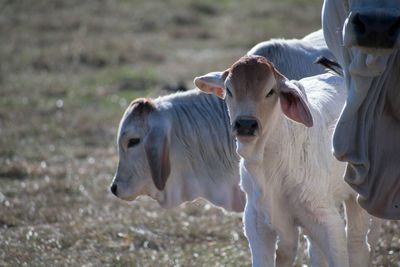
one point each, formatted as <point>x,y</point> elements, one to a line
<point>376,29</point>
<point>245,126</point>
<point>113,189</point>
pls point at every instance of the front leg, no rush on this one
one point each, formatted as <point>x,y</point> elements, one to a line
<point>287,244</point>
<point>261,237</point>
<point>326,229</point>
<point>317,257</point>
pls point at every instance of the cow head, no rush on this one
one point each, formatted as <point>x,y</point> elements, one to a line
<point>143,144</point>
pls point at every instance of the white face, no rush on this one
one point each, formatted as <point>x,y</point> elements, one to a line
<point>143,163</point>
<point>132,175</point>
<point>372,26</point>
<point>252,100</point>
<point>257,96</point>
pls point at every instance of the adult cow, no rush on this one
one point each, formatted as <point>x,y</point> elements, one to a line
<point>364,37</point>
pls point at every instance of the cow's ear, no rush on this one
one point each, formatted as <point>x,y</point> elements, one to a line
<point>142,106</point>
<point>212,83</point>
<point>293,100</point>
<point>156,145</point>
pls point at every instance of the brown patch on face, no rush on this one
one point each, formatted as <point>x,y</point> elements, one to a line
<point>141,106</point>
<point>250,75</point>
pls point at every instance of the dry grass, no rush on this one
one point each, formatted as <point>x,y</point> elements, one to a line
<point>67,71</point>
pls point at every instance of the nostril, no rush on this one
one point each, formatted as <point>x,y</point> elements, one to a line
<point>246,126</point>
<point>114,189</point>
<point>394,29</point>
<point>375,29</point>
<point>237,125</point>
<point>359,25</point>
<point>254,125</point>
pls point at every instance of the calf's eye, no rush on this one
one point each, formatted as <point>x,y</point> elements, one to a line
<point>270,93</point>
<point>133,142</point>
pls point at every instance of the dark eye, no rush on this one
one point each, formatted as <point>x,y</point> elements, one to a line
<point>270,93</point>
<point>133,142</point>
<point>228,92</point>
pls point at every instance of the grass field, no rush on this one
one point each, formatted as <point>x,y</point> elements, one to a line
<point>68,69</point>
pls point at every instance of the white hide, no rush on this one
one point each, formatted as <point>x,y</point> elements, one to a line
<point>301,53</point>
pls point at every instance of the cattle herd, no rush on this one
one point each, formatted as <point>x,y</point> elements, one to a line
<point>284,140</point>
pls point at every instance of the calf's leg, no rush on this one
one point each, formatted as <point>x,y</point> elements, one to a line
<point>326,229</point>
<point>261,237</point>
<point>358,222</point>
<point>287,245</point>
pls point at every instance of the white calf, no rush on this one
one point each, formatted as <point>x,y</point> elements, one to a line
<point>287,170</point>
<point>170,150</point>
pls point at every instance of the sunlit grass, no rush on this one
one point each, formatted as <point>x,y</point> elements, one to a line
<point>68,70</point>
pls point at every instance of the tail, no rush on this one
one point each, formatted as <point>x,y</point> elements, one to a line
<point>330,65</point>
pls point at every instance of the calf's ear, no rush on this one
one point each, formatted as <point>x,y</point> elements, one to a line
<point>212,83</point>
<point>293,100</point>
<point>156,145</point>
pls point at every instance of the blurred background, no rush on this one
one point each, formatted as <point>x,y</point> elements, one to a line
<point>68,69</point>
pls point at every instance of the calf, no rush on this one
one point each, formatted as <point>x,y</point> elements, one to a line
<point>287,170</point>
<point>171,149</point>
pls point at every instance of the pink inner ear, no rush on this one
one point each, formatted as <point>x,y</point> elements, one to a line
<point>218,91</point>
<point>295,108</point>
<point>285,102</point>
<point>212,89</point>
